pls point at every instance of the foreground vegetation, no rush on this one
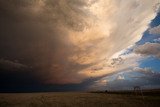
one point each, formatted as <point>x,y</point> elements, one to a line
<point>77,99</point>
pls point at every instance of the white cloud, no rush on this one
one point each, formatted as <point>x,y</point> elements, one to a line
<point>157,40</point>
<point>143,70</point>
<point>155,30</point>
<point>120,77</point>
<point>148,49</point>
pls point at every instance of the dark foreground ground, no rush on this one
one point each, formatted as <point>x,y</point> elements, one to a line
<point>79,99</point>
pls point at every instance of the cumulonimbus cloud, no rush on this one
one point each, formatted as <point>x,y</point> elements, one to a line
<point>63,39</point>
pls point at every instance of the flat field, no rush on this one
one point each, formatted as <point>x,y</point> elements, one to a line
<point>78,99</point>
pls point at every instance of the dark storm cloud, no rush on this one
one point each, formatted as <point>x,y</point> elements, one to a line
<point>34,32</point>
<point>17,77</point>
<point>14,74</point>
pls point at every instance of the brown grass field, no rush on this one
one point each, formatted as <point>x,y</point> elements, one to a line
<point>79,99</point>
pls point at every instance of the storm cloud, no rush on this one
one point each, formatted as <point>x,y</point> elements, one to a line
<point>61,41</point>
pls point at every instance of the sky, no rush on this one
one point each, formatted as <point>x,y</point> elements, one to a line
<point>79,45</point>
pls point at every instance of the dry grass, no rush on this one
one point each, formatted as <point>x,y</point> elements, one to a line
<point>71,99</point>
